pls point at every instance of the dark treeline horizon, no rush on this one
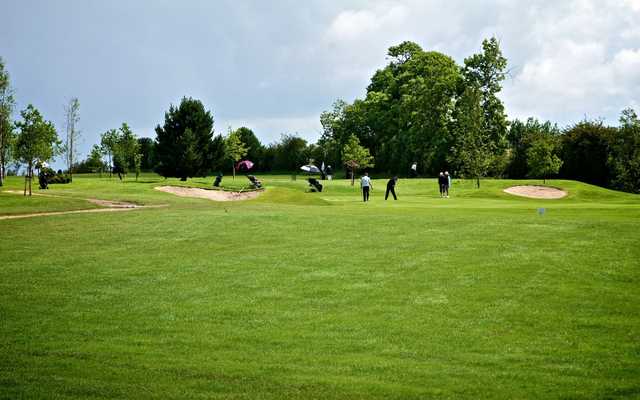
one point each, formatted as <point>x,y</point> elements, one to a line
<point>421,107</point>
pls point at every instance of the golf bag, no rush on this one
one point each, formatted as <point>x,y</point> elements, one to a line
<point>216,183</point>
<point>255,183</point>
<point>314,185</point>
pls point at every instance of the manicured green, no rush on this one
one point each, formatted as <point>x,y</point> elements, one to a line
<point>318,295</point>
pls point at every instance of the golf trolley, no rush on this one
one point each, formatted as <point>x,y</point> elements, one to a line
<point>314,185</point>
<point>255,182</point>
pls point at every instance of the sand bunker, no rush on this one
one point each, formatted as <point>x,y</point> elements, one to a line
<point>536,192</point>
<point>217,195</point>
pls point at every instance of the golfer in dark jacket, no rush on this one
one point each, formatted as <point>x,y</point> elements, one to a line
<point>391,188</point>
<point>442,183</point>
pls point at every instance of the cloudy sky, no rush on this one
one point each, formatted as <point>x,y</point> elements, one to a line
<point>274,66</point>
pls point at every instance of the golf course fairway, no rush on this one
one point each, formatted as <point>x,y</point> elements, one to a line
<point>319,295</point>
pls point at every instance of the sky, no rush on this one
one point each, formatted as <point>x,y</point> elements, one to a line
<point>274,66</point>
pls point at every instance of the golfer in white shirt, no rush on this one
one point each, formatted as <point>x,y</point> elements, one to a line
<point>365,184</point>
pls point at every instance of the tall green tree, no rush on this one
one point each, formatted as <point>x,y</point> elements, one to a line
<point>72,117</point>
<point>254,147</point>
<point>542,158</point>
<point>234,149</point>
<point>405,116</point>
<point>7,133</point>
<point>125,150</point>
<point>520,137</point>
<point>37,141</point>
<point>471,152</point>
<point>290,153</point>
<point>147,148</point>
<point>487,70</point>
<point>94,160</point>
<point>356,156</point>
<point>108,141</point>
<point>172,146</point>
<point>333,133</point>
<point>137,163</point>
<point>191,156</point>
<point>217,153</point>
<point>624,158</point>
<point>585,149</point>
<point>93,163</point>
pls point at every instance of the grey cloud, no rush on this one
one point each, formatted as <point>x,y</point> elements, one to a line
<point>276,65</point>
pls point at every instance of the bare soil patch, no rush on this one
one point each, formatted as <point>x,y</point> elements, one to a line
<point>216,195</point>
<point>91,210</point>
<point>536,192</point>
<point>109,206</point>
<point>113,204</point>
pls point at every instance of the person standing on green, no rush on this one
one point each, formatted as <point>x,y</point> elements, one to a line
<point>391,188</point>
<point>366,186</point>
<point>446,173</point>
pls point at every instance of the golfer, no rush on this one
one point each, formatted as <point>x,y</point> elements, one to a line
<point>329,172</point>
<point>442,183</point>
<point>446,173</point>
<point>365,184</point>
<point>391,188</point>
<point>413,172</point>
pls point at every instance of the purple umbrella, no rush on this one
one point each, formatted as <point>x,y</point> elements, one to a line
<point>245,165</point>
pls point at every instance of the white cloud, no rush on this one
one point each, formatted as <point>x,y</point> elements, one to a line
<point>275,67</point>
<point>578,63</point>
<point>356,24</point>
<point>568,59</point>
<point>633,4</point>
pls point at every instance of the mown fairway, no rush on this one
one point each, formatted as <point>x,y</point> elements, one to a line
<point>301,295</point>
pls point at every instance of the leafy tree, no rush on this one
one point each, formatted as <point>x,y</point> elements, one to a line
<point>191,155</point>
<point>95,158</point>
<point>217,153</point>
<point>290,153</point>
<point>37,141</point>
<point>520,137</point>
<point>172,146</point>
<point>406,114</point>
<point>333,133</point>
<point>147,150</point>
<point>108,141</point>
<point>356,156</point>
<point>585,150</point>
<point>254,147</point>
<point>426,109</point>
<point>269,157</point>
<point>625,155</point>
<point>7,134</point>
<point>93,163</point>
<point>403,52</point>
<point>471,152</point>
<point>137,162</point>
<point>125,150</point>
<point>486,71</point>
<point>72,117</point>
<point>542,158</point>
<point>234,149</point>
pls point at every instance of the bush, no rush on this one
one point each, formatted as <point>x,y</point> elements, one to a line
<point>58,178</point>
<point>53,177</point>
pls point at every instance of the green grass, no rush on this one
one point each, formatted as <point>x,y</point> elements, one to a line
<point>317,295</point>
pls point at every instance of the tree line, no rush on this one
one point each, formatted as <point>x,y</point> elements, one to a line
<point>422,107</point>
